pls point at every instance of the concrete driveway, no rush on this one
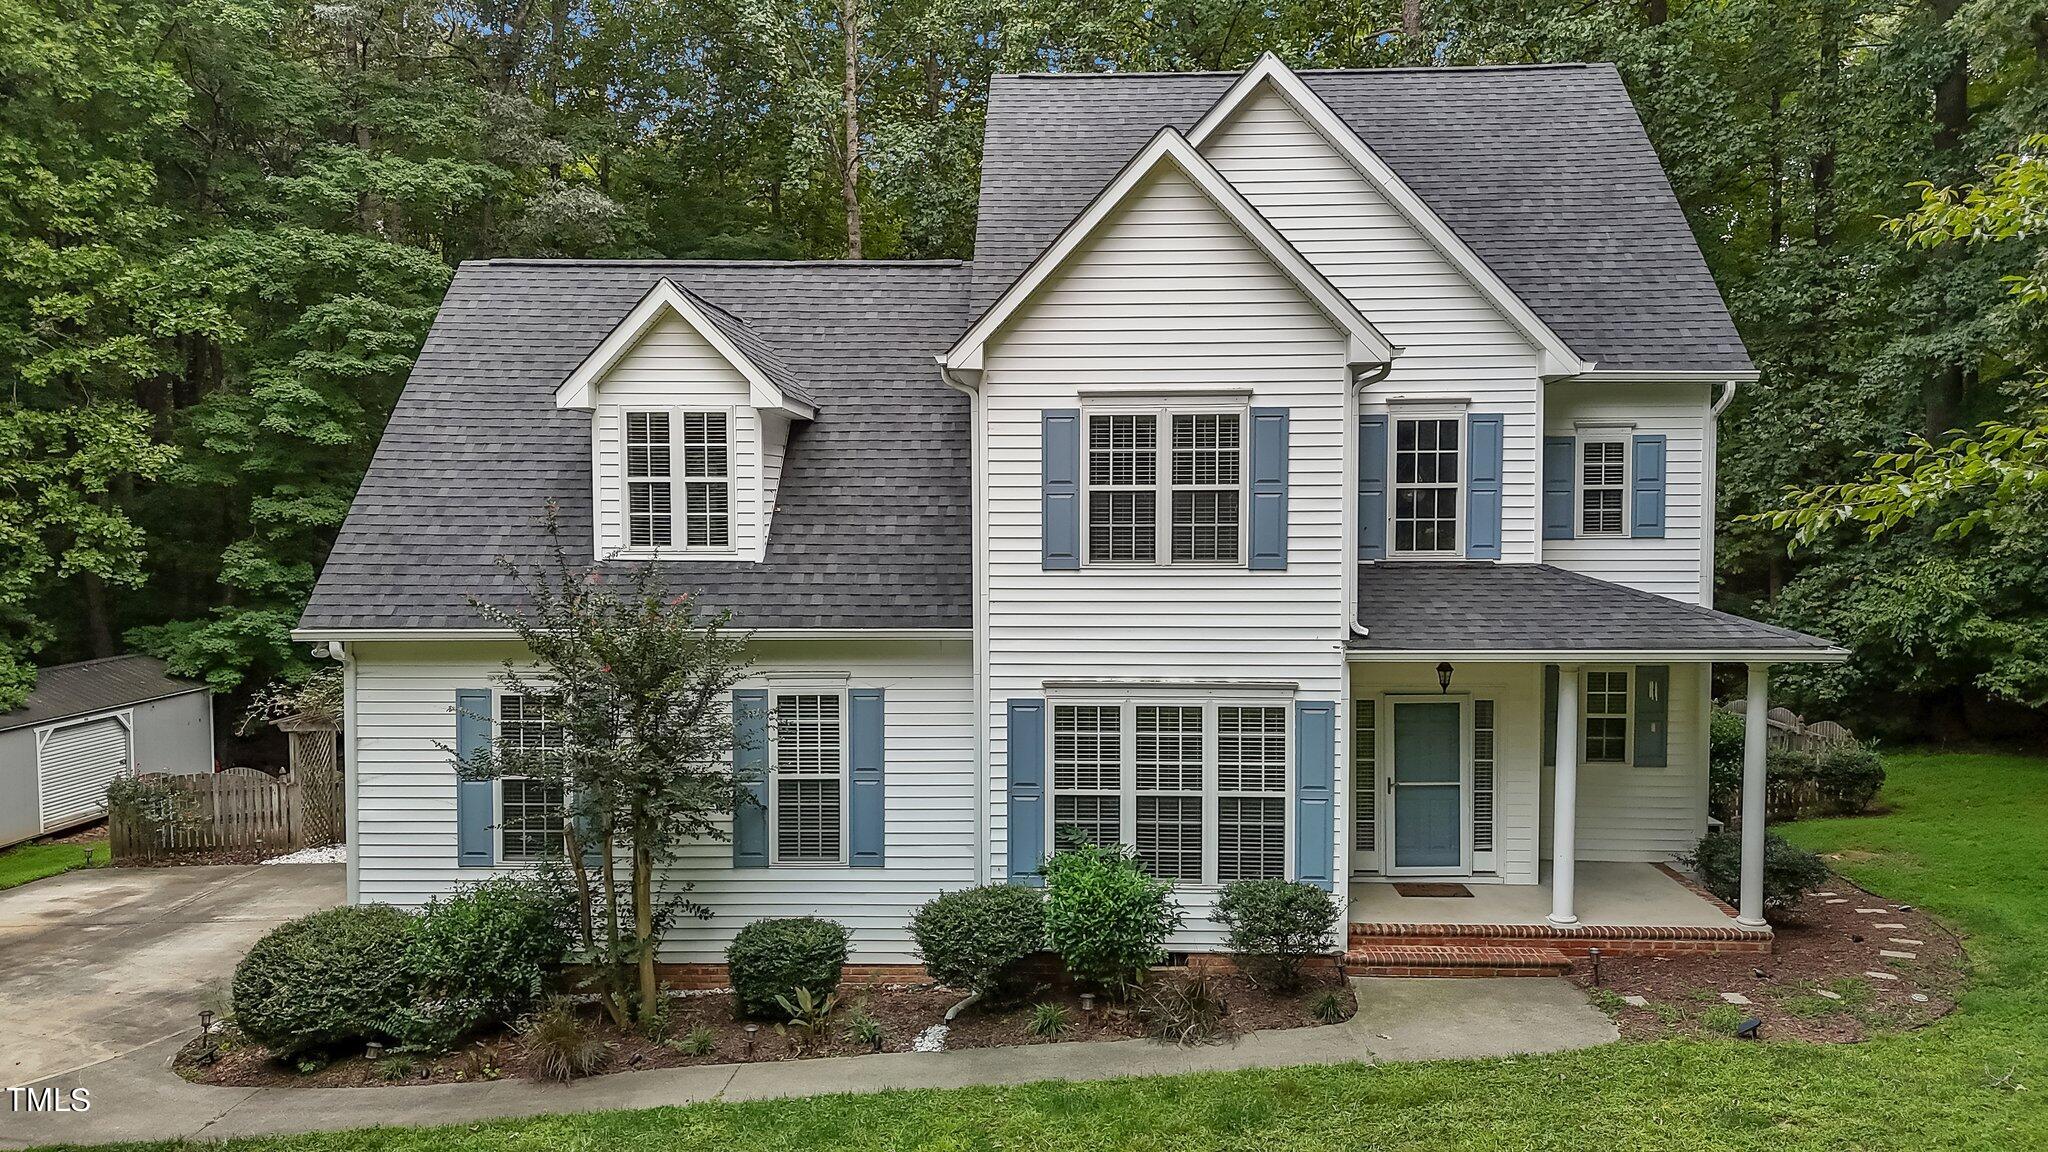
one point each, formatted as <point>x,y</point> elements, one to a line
<point>98,963</point>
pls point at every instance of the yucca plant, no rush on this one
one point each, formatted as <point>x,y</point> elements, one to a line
<point>809,1017</point>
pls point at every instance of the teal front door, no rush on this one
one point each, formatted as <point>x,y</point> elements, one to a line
<point>1429,789</point>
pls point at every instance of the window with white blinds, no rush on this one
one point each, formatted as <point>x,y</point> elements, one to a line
<point>1199,791</point>
<point>656,442</point>
<point>1365,776</point>
<point>1482,775</point>
<point>1603,487</point>
<point>1165,486</point>
<point>530,809</point>
<point>808,800</point>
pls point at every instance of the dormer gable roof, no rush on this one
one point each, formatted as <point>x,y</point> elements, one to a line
<point>770,383</point>
<point>1171,151</point>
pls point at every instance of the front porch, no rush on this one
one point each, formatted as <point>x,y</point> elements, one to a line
<point>1626,909</point>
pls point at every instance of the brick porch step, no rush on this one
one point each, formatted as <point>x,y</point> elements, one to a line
<point>1440,960</point>
<point>1611,940</point>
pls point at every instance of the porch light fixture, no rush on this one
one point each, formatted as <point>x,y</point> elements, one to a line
<point>1443,676</point>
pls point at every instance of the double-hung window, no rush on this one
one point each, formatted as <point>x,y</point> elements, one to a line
<point>1428,476</point>
<point>808,799</point>
<point>1197,790</point>
<point>1607,716</point>
<point>1165,484</point>
<point>654,441</point>
<point>529,807</point>
<point>1603,487</point>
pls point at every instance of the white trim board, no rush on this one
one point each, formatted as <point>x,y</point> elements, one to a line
<point>1556,359</point>
<point>1600,656</point>
<point>1169,149</point>
<point>662,299</point>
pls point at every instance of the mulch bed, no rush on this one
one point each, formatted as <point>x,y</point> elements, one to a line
<point>903,1011</point>
<point>1824,945</point>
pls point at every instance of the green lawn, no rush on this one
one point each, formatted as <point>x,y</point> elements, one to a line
<point>35,861</point>
<point>1967,837</point>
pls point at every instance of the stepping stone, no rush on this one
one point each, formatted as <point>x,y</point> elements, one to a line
<point>1822,992</point>
<point>1881,975</point>
<point>1634,1001</point>
<point>1903,940</point>
<point>1896,955</point>
<point>1823,893</point>
<point>1734,997</point>
<point>1838,900</point>
<point>1873,911</point>
<point>1893,927</point>
<point>1919,997</point>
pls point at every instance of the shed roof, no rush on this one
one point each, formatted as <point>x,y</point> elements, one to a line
<point>66,690</point>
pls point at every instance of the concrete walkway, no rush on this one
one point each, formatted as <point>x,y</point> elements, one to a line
<point>136,1096</point>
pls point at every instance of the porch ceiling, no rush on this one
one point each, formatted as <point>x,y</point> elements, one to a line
<point>1481,610</point>
<point>1616,895</point>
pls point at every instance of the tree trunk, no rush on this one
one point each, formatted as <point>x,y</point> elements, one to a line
<point>1945,392</point>
<point>1411,27</point>
<point>1821,171</point>
<point>99,624</point>
<point>1656,12</point>
<point>643,917</point>
<point>614,978</point>
<point>1776,160</point>
<point>849,98</point>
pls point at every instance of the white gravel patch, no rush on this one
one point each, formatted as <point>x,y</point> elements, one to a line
<point>932,1039</point>
<point>332,854</point>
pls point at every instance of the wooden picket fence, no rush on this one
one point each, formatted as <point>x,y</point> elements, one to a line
<point>239,808</point>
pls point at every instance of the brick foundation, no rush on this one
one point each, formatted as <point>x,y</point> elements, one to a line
<point>702,977</point>
<point>1612,940</point>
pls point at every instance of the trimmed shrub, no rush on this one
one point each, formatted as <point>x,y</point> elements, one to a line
<point>771,958</point>
<point>1790,872</point>
<point>1275,925</point>
<point>487,954</point>
<point>1848,776</point>
<point>977,939</point>
<point>325,980</point>
<point>1107,919</point>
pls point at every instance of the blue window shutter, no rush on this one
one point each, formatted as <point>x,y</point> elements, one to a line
<point>1653,715</point>
<point>1315,809</point>
<point>864,761</point>
<point>1062,489</point>
<point>750,769</point>
<point>1549,715</point>
<point>1027,792</point>
<point>1646,489</point>
<point>1482,487</point>
<point>1558,462</point>
<point>1372,487</point>
<point>1269,490</point>
<point>473,816</point>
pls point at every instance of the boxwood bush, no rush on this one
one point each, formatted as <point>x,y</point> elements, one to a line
<point>326,980</point>
<point>487,954</point>
<point>1790,872</point>
<point>977,939</point>
<point>1275,925</point>
<point>771,958</point>
<point>1105,917</point>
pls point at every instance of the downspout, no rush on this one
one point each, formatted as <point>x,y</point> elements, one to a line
<point>1363,376</point>
<point>1727,395</point>
<point>982,719</point>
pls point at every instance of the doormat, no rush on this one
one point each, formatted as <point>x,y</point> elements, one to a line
<point>1432,890</point>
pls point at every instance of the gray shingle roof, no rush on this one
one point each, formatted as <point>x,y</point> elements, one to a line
<point>1543,171</point>
<point>872,527</point>
<point>758,352</point>
<point>64,690</point>
<point>1453,606</point>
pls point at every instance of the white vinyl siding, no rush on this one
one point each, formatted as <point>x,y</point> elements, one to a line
<point>1634,813</point>
<point>673,370</point>
<point>1168,308</point>
<point>404,838</point>
<point>1672,564</point>
<point>1455,346</point>
<point>807,802</point>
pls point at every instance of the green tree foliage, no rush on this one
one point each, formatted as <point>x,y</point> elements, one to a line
<point>236,217</point>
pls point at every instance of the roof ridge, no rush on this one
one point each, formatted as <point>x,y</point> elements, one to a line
<point>537,261</point>
<point>1559,66</point>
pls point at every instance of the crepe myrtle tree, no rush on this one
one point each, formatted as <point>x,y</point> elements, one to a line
<point>636,681</point>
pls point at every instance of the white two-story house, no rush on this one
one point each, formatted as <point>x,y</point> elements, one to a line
<point>1310,477</point>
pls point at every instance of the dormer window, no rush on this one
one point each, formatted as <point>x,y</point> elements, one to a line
<point>706,480</point>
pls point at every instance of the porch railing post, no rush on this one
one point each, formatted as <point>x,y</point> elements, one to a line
<point>1565,800</point>
<point>1755,796</point>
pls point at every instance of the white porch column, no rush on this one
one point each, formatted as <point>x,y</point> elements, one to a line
<point>1755,729</point>
<point>1564,821</point>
